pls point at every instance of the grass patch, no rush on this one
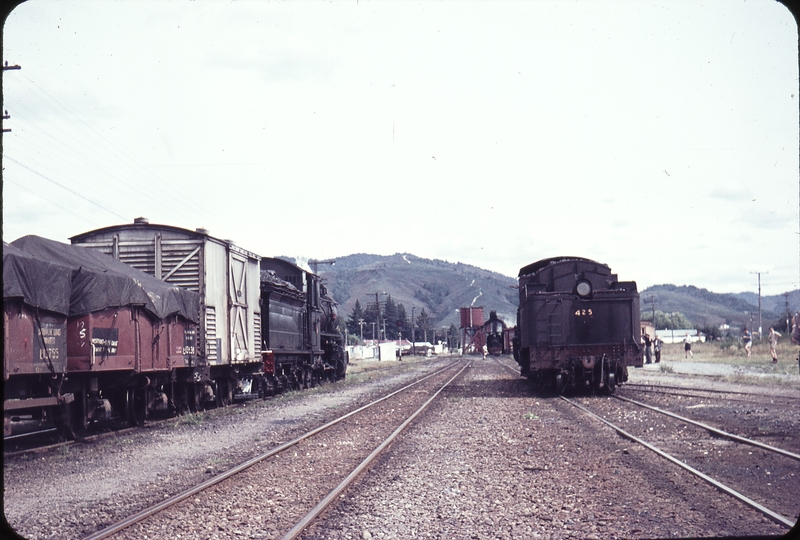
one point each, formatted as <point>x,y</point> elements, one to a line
<point>531,416</point>
<point>726,352</point>
<point>191,419</point>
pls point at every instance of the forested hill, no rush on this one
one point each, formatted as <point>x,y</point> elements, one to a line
<point>440,287</point>
<point>705,308</point>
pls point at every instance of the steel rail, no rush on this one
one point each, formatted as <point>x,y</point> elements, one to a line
<point>295,531</point>
<point>774,516</point>
<point>29,434</point>
<point>166,503</point>
<point>713,391</point>
<point>714,430</point>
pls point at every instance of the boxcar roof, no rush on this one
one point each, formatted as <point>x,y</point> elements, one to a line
<point>142,224</point>
<point>535,267</point>
<point>129,226</point>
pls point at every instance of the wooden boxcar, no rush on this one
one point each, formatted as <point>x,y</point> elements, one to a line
<point>227,277</point>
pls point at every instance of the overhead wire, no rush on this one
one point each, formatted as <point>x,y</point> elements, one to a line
<point>71,150</point>
<point>109,142</point>
<point>161,183</point>
<point>46,199</point>
<point>6,156</point>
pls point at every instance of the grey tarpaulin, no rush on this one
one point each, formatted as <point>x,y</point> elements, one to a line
<point>39,283</point>
<point>99,281</point>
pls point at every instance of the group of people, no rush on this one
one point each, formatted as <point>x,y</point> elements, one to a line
<point>772,338</point>
<point>652,345</point>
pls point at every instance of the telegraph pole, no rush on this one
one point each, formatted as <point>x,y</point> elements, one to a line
<point>413,339</point>
<point>788,313</point>
<point>7,116</point>
<point>759,301</point>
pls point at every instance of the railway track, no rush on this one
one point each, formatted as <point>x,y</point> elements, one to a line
<point>692,455</point>
<point>731,465</point>
<point>714,430</point>
<point>324,461</point>
<point>684,391</point>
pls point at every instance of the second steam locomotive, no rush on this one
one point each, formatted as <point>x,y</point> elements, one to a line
<point>578,326</point>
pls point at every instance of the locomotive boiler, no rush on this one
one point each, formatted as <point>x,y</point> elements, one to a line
<point>577,325</point>
<point>302,344</point>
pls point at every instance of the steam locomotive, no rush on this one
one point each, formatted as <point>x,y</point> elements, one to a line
<point>578,326</point>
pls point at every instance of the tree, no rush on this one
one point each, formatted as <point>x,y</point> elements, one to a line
<point>668,321</point>
<point>424,323</point>
<point>357,315</point>
<point>390,316</point>
<point>452,336</point>
<point>402,321</point>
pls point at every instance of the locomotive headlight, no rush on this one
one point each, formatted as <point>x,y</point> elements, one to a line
<point>583,288</point>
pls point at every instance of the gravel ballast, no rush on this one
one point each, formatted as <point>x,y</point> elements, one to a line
<point>489,459</point>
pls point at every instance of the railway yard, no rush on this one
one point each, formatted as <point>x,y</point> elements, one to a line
<point>487,458</point>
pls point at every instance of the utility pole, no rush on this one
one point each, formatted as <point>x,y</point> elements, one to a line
<point>788,314</point>
<point>759,301</point>
<point>672,321</point>
<point>378,320</point>
<point>361,324</point>
<point>6,116</point>
<point>378,308</point>
<point>413,339</point>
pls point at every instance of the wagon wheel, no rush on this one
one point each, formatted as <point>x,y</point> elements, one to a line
<point>75,417</point>
<point>611,383</point>
<point>560,383</point>
<point>136,406</point>
<point>269,387</point>
<point>341,368</point>
<point>224,393</point>
<point>194,394</point>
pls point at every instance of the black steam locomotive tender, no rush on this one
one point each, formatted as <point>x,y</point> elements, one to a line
<point>577,326</point>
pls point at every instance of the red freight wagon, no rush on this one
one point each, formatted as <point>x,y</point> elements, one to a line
<point>34,341</point>
<point>128,336</point>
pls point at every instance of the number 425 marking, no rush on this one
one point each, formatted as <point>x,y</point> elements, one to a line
<point>583,313</point>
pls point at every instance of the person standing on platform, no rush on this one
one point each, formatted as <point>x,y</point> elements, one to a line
<point>773,343</point>
<point>648,348</point>
<point>748,342</point>
<point>657,343</point>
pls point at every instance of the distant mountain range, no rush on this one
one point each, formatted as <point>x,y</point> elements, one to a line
<point>441,288</point>
<point>705,308</point>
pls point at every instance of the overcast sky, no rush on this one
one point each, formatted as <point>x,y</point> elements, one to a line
<point>660,138</point>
